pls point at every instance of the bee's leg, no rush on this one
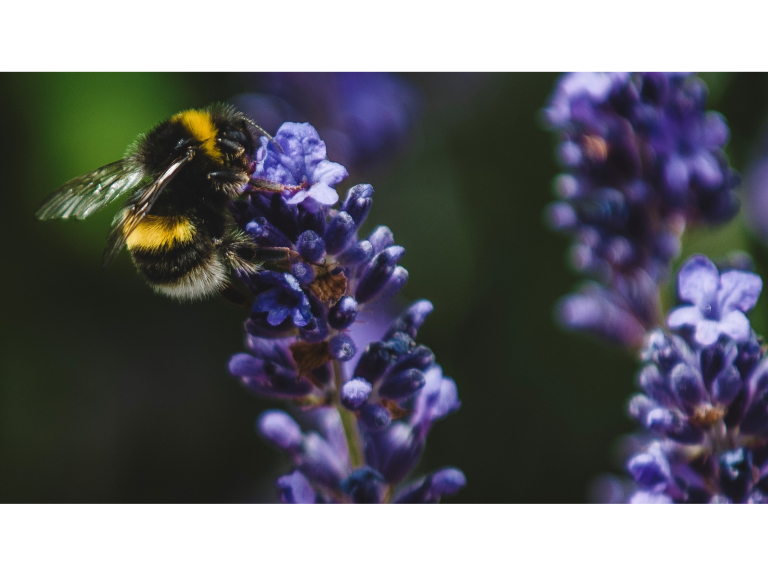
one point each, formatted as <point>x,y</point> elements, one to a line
<point>277,255</point>
<point>240,251</point>
<point>231,146</point>
<point>228,177</point>
<point>262,185</point>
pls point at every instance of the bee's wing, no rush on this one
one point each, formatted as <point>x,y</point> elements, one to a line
<point>129,217</point>
<point>86,194</point>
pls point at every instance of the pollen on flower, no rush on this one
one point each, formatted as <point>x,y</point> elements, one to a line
<point>707,415</point>
<point>595,148</point>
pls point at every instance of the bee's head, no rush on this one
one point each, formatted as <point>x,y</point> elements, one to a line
<point>220,136</point>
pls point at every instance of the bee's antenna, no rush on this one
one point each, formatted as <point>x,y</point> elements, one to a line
<point>265,133</point>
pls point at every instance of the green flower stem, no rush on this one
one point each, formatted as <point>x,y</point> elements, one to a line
<point>349,421</point>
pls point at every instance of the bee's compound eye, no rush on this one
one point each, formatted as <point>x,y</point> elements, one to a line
<point>237,136</point>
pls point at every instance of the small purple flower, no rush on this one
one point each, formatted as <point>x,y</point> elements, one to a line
<point>719,302</point>
<point>285,300</point>
<point>302,166</point>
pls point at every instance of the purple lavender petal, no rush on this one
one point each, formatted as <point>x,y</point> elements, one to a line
<point>321,193</point>
<point>707,332</point>
<point>738,291</point>
<point>698,281</point>
<point>684,316</point>
<point>330,173</point>
<point>736,325</point>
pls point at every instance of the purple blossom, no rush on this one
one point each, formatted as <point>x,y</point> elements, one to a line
<point>643,159</point>
<point>719,302</point>
<point>370,395</point>
<point>703,401</point>
<point>285,300</point>
<point>302,165</point>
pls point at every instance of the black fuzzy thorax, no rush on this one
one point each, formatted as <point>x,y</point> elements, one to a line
<point>192,194</point>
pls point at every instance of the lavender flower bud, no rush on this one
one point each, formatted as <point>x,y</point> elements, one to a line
<point>430,489</point>
<point>395,283</point>
<point>364,485</point>
<point>377,273</point>
<point>280,429</point>
<point>375,416</point>
<point>355,393</point>
<point>340,231</point>
<point>303,272</point>
<point>355,254</point>
<point>314,221</point>
<point>294,488</point>
<point>402,384</point>
<point>374,361</point>
<point>687,384</point>
<point>358,202</point>
<point>342,347</point>
<point>343,313</point>
<point>381,238</point>
<point>411,320</point>
<point>395,451</point>
<point>727,386</point>
<point>320,463</point>
<point>420,357</point>
<point>265,234</point>
<point>311,246</point>
<point>267,378</point>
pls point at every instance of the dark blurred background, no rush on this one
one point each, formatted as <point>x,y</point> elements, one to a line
<point>109,393</point>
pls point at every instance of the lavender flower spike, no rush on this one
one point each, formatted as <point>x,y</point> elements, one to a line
<point>368,399</point>
<point>643,159</point>
<point>704,397</point>
<point>718,302</point>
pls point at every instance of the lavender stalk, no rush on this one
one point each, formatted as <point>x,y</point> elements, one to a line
<point>319,336</point>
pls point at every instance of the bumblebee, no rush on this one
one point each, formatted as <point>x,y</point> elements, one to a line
<point>179,178</point>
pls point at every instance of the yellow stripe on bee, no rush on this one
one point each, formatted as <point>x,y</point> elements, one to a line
<point>156,232</point>
<point>200,125</point>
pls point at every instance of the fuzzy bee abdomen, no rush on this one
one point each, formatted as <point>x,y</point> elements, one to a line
<point>177,258</point>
